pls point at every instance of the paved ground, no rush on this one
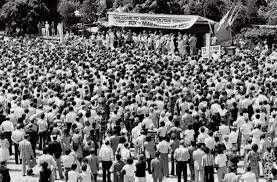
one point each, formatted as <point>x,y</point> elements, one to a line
<point>16,174</point>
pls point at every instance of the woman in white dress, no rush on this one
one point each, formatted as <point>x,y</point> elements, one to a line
<point>4,149</point>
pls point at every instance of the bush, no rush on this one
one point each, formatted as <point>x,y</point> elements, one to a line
<point>260,34</point>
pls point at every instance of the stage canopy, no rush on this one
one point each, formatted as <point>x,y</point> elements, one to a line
<point>159,21</point>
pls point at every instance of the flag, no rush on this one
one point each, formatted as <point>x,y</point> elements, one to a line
<point>223,20</point>
<point>223,28</point>
<point>234,15</point>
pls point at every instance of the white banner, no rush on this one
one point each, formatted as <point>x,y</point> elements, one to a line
<point>152,20</point>
<point>213,50</point>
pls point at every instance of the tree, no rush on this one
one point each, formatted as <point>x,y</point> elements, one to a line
<point>214,9</point>
<point>241,21</point>
<point>193,8</point>
<point>269,13</point>
<point>24,14</point>
<point>66,9</point>
<point>52,5</point>
<point>88,11</point>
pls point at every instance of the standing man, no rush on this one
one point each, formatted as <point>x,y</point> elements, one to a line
<point>174,144</point>
<point>26,153</point>
<point>191,149</point>
<point>7,129</point>
<point>17,136</point>
<point>114,141</point>
<point>157,168</point>
<point>117,167</point>
<point>192,44</point>
<point>49,159</point>
<point>93,163</point>
<point>182,157</point>
<point>55,149</point>
<point>164,149</point>
<point>208,164</point>
<point>106,156</point>
<point>32,130</point>
<point>221,164</point>
<point>198,168</point>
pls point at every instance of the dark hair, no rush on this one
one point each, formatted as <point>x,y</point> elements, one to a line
<point>206,150</point>
<point>30,172</point>
<point>45,150</point>
<point>118,157</point>
<point>73,167</point>
<point>269,148</point>
<point>255,147</point>
<point>67,152</point>
<point>130,160</point>
<point>44,165</point>
<point>84,167</point>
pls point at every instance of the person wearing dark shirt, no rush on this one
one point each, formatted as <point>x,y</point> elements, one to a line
<point>45,173</point>
<point>55,149</point>
<point>140,169</point>
<point>4,171</point>
<point>117,167</point>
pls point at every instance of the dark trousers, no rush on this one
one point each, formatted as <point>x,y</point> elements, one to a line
<point>95,177</point>
<point>33,140</point>
<point>16,153</point>
<point>66,170</point>
<point>149,165</point>
<point>8,135</point>
<point>106,165</point>
<point>172,164</point>
<point>42,139</point>
<point>68,126</point>
<point>182,168</point>
<point>209,173</point>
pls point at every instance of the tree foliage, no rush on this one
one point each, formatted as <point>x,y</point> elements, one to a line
<point>24,14</point>
<point>88,11</point>
<point>214,9</point>
<point>66,9</point>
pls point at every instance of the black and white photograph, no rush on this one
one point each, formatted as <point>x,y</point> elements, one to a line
<point>138,90</point>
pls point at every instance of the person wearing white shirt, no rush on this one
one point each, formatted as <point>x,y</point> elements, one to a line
<point>147,122</point>
<point>85,175</point>
<point>164,149</point>
<point>202,136</point>
<point>162,130</point>
<point>209,141</point>
<point>189,134</point>
<point>246,129</point>
<point>125,152</point>
<point>106,156</point>
<point>221,161</point>
<point>256,133</point>
<point>240,120</point>
<point>73,174</point>
<point>70,117</point>
<point>129,170</point>
<point>248,176</point>
<point>7,129</point>
<point>233,137</point>
<point>17,136</point>
<point>224,129</point>
<point>67,160</point>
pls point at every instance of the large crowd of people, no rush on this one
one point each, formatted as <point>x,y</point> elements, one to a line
<point>86,103</point>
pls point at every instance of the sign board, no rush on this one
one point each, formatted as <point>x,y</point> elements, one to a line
<point>152,20</point>
<point>213,50</point>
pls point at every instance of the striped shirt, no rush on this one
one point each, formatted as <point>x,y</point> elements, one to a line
<point>181,154</point>
<point>208,160</point>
